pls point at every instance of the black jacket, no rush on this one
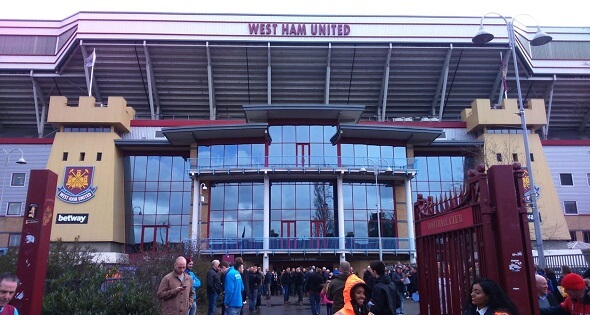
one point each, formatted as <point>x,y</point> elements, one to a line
<point>335,291</point>
<point>314,283</point>
<point>213,282</point>
<point>384,297</point>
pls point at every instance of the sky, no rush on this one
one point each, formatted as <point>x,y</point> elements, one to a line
<point>566,13</point>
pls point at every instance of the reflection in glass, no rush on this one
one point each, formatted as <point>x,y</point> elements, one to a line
<point>160,187</point>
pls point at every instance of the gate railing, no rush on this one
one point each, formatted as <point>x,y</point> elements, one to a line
<point>479,231</point>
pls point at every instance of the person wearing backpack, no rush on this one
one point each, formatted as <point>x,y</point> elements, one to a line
<point>385,298</point>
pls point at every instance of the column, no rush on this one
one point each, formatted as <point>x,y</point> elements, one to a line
<point>341,232</point>
<point>196,214</point>
<point>266,224</point>
<point>410,215</point>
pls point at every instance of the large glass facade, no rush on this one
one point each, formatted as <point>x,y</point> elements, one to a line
<point>231,155</point>
<point>236,210</point>
<point>158,197</point>
<point>361,201</point>
<point>302,209</point>
<point>302,145</point>
<point>439,174</point>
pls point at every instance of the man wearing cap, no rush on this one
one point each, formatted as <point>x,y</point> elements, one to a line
<point>578,298</point>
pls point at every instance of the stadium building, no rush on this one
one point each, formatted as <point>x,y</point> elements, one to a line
<point>289,140</point>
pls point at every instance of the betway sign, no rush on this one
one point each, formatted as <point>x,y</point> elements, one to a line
<point>73,218</point>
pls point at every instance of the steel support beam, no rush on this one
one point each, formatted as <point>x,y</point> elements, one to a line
<point>550,104</point>
<point>441,91</point>
<point>95,89</point>
<point>268,75</point>
<point>152,88</point>
<point>328,75</point>
<point>385,85</point>
<point>498,86</point>
<point>210,84</point>
<point>38,97</point>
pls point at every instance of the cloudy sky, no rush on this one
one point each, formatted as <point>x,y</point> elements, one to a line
<point>547,13</point>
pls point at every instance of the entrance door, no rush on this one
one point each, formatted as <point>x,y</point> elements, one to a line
<point>154,237</point>
<point>288,233</point>
<point>303,155</point>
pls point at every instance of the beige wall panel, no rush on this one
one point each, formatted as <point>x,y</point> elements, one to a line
<point>106,209</point>
<point>553,225</point>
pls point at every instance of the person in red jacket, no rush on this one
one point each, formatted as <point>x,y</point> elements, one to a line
<point>578,298</point>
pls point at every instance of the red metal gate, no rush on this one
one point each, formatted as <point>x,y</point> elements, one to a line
<point>481,231</point>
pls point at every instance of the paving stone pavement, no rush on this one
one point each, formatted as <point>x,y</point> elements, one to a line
<point>275,306</point>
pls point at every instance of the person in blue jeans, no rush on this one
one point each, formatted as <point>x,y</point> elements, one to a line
<point>234,286</point>
<point>285,284</point>
<point>254,282</point>
<point>196,284</point>
<point>213,286</point>
<point>315,284</point>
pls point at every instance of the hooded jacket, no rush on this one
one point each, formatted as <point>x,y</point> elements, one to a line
<point>350,307</point>
<point>335,289</point>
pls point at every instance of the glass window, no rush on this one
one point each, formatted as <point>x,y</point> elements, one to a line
<point>566,179</point>
<point>288,134</point>
<point>316,134</point>
<point>14,240</point>
<point>204,156</point>
<point>302,134</point>
<point>18,180</point>
<point>586,235</point>
<point>570,207</point>
<point>152,168</point>
<point>588,178</point>
<point>139,168</point>
<point>14,208</point>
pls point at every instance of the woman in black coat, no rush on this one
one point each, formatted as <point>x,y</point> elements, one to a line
<point>487,294</point>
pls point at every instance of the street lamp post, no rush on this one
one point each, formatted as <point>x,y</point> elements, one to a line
<point>539,39</point>
<point>6,161</point>
<point>202,187</point>
<point>376,170</point>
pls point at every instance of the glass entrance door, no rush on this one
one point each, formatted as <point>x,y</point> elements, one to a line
<point>288,233</point>
<point>303,154</point>
<point>154,237</point>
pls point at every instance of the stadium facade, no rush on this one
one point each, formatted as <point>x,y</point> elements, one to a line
<point>289,140</point>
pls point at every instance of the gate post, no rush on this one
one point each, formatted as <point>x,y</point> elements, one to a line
<point>514,255</point>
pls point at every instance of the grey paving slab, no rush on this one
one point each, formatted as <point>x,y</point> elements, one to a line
<point>275,306</point>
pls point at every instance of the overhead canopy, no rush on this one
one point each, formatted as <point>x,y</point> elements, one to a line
<point>306,112</point>
<point>409,135</point>
<point>195,134</point>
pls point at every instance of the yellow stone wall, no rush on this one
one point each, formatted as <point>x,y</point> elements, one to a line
<point>106,221</point>
<point>480,117</point>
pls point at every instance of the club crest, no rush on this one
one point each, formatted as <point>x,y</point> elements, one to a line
<point>77,185</point>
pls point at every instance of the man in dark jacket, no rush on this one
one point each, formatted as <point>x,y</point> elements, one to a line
<point>546,298</point>
<point>286,283</point>
<point>384,298</point>
<point>254,282</point>
<point>298,278</point>
<point>397,277</point>
<point>314,287</point>
<point>213,286</point>
<point>335,290</point>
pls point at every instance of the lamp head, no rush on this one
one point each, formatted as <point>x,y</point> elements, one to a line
<point>363,169</point>
<point>21,161</point>
<point>541,38</point>
<point>482,37</point>
<point>389,169</point>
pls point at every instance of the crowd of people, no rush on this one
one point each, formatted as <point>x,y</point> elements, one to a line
<point>236,289</point>
<point>381,291</point>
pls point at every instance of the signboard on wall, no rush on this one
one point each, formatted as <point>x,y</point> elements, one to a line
<point>71,218</point>
<point>77,185</point>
